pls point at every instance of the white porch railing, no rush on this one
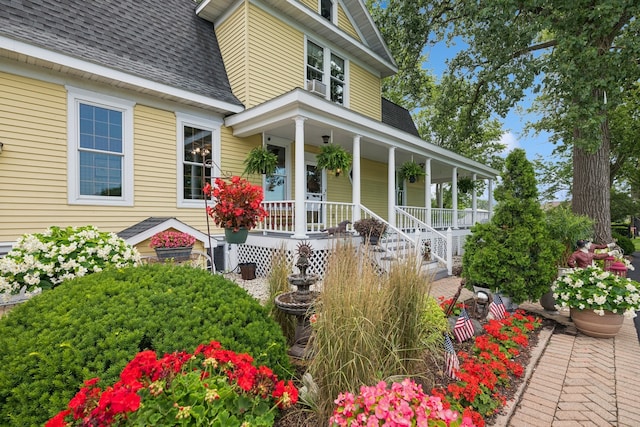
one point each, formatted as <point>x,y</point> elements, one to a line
<point>441,219</point>
<point>319,216</point>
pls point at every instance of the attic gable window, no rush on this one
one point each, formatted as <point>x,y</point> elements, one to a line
<point>326,9</point>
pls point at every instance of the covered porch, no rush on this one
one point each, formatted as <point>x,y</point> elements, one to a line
<point>303,200</point>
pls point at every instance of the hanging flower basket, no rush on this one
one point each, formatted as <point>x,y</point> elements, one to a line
<point>236,236</point>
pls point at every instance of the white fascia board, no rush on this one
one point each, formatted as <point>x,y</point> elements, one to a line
<point>109,73</point>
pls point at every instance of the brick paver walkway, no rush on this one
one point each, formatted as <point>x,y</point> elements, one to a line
<point>578,381</point>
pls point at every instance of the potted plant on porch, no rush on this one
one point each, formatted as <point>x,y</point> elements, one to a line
<point>260,161</point>
<point>237,207</point>
<point>333,157</point>
<point>170,244</point>
<point>598,299</point>
<point>371,229</point>
<point>411,171</point>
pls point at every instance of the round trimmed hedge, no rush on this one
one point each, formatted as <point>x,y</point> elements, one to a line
<point>92,326</point>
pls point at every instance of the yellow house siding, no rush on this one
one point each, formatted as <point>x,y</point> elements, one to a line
<point>232,39</point>
<point>374,176</point>
<point>276,61</point>
<point>415,193</point>
<point>345,24</point>
<point>33,165</point>
<point>311,4</point>
<point>365,92</point>
<point>234,151</point>
<point>155,158</point>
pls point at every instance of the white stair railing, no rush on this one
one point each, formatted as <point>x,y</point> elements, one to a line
<point>440,244</point>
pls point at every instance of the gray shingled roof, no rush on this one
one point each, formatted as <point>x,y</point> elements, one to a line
<point>142,226</point>
<point>398,117</point>
<point>160,40</point>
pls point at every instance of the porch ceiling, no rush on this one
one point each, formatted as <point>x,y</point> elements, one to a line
<point>276,118</point>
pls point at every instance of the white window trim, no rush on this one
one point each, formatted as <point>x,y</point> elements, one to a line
<point>210,124</point>
<point>326,71</point>
<point>75,96</point>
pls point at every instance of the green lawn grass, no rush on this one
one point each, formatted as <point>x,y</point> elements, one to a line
<point>636,243</point>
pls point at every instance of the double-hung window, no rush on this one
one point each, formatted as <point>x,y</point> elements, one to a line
<point>199,155</point>
<point>328,68</point>
<point>100,149</point>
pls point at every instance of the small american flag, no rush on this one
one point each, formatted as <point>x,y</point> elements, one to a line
<point>452,365</point>
<point>496,308</point>
<point>463,329</point>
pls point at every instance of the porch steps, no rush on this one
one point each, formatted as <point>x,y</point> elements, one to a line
<point>385,254</point>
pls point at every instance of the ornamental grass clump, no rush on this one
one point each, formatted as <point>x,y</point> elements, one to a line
<point>43,260</point>
<point>212,386</point>
<point>592,288</point>
<point>368,326</point>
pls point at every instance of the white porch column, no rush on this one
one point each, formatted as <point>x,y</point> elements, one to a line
<point>454,197</point>
<point>427,190</point>
<point>490,196</point>
<point>300,219</point>
<point>474,200</point>
<point>391,187</point>
<point>355,167</point>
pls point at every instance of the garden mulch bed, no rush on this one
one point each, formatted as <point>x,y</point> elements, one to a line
<point>300,416</point>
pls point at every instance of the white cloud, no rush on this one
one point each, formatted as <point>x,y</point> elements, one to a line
<point>510,141</point>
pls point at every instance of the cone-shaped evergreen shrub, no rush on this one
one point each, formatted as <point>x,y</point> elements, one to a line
<point>513,253</point>
<point>94,325</point>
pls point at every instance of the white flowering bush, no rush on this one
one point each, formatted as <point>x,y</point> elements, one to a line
<point>43,260</point>
<point>598,290</point>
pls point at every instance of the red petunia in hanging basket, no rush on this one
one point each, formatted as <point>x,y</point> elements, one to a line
<point>237,203</point>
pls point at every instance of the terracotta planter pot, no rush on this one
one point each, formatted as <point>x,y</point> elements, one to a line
<point>593,325</point>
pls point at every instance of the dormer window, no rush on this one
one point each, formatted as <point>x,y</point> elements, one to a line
<point>326,9</point>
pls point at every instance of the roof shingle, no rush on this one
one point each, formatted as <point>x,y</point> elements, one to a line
<point>163,41</point>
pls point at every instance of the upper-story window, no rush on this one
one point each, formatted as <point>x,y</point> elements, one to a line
<point>337,79</point>
<point>326,9</point>
<point>329,69</point>
<point>100,149</point>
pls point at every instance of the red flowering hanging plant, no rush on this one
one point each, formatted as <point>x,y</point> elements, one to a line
<point>237,203</point>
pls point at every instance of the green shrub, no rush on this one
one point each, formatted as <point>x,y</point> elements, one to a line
<point>43,260</point>
<point>625,243</point>
<point>92,326</point>
<point>513,253</point>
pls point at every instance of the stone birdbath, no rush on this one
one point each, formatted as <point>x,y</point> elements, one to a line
<point>299,302</point>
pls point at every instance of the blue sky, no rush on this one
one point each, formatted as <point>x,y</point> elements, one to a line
<point>513,124</point>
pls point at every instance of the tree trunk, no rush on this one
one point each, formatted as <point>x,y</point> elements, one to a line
<point>591,186</point>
